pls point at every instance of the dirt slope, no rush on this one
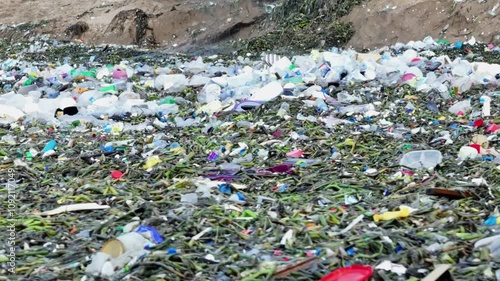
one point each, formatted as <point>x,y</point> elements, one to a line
<point>172,24</point>
<point>166,22</point>
<point>381,22</point>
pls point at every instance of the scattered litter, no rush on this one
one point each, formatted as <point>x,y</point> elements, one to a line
<point>330,164</point>
<point>74,208</point>
<point>392,267</point>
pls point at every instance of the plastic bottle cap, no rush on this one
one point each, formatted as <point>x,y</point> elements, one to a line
<point>113,247</point>
<point>116,174</point>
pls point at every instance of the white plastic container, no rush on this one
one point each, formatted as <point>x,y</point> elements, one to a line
<point>462,106</point>
<point>422,159</point>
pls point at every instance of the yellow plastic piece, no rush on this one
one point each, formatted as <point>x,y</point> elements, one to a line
<point>178,150</point>
<point>81,90</point>
<point>498,220</point>
<point>229,146</point>
<point>151,162</point>
<point>316,54</point>
<point>403,213</point>
<point>149,83</point>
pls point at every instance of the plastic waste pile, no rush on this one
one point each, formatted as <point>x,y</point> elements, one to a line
<point>123,251</point>
<point>397,134</point>
<point>106,91</point>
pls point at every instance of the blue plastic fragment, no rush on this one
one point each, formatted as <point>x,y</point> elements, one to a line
<point>398,249</point>
<point>108,148</point>
<point>488,158</point>
<point>241,196</point>
<point>225,188</point>
<point>155,235</point>
<point>351,251</point>
<point>491,221</point>
<point>432,106</point>
<point>49,146</point>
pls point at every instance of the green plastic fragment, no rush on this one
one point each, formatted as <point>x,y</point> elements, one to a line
<point>107,89</point>
<point>167,100</point>
<point>27,82</point>
<point>249,213</point>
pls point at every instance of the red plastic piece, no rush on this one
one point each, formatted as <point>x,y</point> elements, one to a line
<point>492,128</point>
<point>478,123</point>
<point>277,134</point>
<point>350,273</point>
<point>116,174</point>
<point>407,76</point>
<point>476,146</point>
<point>119,74</point>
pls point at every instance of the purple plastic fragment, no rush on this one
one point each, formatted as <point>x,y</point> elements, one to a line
<point>246,105</point>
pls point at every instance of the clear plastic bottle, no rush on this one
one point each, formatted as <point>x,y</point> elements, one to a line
<point>321,105</point>
<point>357,108</point>
<point>345,97</point>
<point>427,159</point>
<point>158,143</point>
<point>89,97</point>
<point>244,124</point>
<point>284,108</point>
<point>460,107</point>
<point>210,93</point>
<point>486,101</point>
